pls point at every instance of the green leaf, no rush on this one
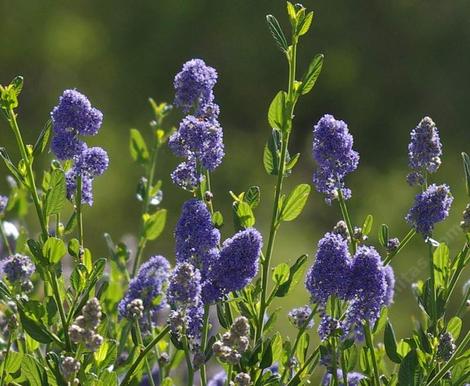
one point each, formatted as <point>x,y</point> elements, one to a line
<point>245,216</point>
<point>367,226</point>
<point>14,362</point>
<point>306,23</point>
<point>277,113</point>
<point>154,224</point>
<point>441,262</point>
<point>277,33</point>
<point>466,169</point>
<point>138,147</point>
<point>292,162</point>
<point>296,272</point>
<point>43,139</point>
<point>294,203</point>
<point>390,343</point>
<point>33,372</point>
<point>53,250</point>
<point>311,75</point>
<point>281,274</point>
<point>57,193</point>
<point>78,278</point>
<point>35,329</point>
<point>272,153</point>
<point>267,357</point>
<point>410,373</point>
<point>380,323</point>
<point>17,84</point>
<point>252,196</point>
<point>217,219</point>
<point>11,167</point>
<point>383,235</point>
<point>454,326</point>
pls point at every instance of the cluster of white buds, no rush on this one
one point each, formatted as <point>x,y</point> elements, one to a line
<point>341,229</point>
<point>234,342</point>
<point>70,367</point>
<point>242,379</point>
<point>83,329</point>
<point>135,309</point>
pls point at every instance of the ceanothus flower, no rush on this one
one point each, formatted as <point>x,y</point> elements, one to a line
<point>334,155</point>
<point>218,379</point>
<point>92,162</point>
<point>390,279</point>
<point>430,207</point>
<point>299,317</point>
<point>149,286</point>
<point>368,288</point>
<point>331,272</point>
<point>17,268</point>
<point>74,113</point>
<point>87,187</point>
<point>185,285</point>
<point>238,261</point>
<point>353,378</point>
<point>186,175</point>
<point>194,84</point>
<point>66,145</point>
<point>3,204</point>
<point>424,150</point>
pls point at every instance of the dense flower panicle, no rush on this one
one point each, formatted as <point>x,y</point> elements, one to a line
<point>331,272</point>
<point>199,138</point>
<point>66,145</point>
<point>195,315</point>
<point>87,187</point>
<point>425,149</point>
<point>353,378</point>
<point>149,286</point>
<point>84,328</point>
<point>92,162</point>
<point>334,155</point>
<point>17,268</point>
<point>368,288</point>
<point>238,261</point>
<point>328,326</point>
<point>75,113</point>
<point>3,204</point>
<point>390,279</point>
<point>185,285</point>
<point>430,207</point>
<point>194,84</point>
<point>446,347</point>
<point>186,175</point>
<point>195,234</point>
<point>299,317</point>
<point>209,112</point>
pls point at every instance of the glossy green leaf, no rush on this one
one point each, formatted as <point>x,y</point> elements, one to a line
<point>33,371</point>
<point>272,153</point>
<point>43,139</point>
<point>304,26</point>
<point>154,224</point>
<point>252,196</point>
<point>295,202</point>
<point>281,274</point>
<point>277,113</point>
<point>367,226</point>
<point>410,373</point>
<point>311,75</point>
<point>244,213</point>
<point>383,235</point>
<point>390,343</point>
<point>454,327</point>
<point>466,169</point>
<point>276,32</point>
<point>296,272</point>
<point>218,219</point>
<point>138,147</point>
<point>57,193</point>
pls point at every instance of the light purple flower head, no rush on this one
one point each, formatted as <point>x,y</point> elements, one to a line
<point>87,187</point>
<point>185,285</point>
<point>430,207</point>
<point>17,268</point>
<point>218,379</point>
<point>66,145</point>
<point>3,204</point>
<point>92,162</point>
<point>334,155</point>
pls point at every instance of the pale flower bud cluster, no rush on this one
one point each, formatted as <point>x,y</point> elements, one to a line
<point>83,329</point>
<point>234,342</point>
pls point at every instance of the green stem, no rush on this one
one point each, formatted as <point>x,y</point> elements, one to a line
<point>6,359</point>
<point>229,375</point>
<point>142,355</point>
<point>277,195</point>
<point>347,219</point>
<point>443,371</point>
<point>141,343</point>
<point>5,238</point>
<point>370,345</point>
<point>78,208</point>
<point>60,306</point>
<point>432,283</point>
<point>29,173</point>
<point>146,205</point>
<point>402,245</point>
<point>343,368</point>
<point>296,379</point>
<point>334,375</point>
<point>189,365</point>
<point>463,304</point>
<point>205,333</point>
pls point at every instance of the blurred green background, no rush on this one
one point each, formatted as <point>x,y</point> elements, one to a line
<point>387,64</point>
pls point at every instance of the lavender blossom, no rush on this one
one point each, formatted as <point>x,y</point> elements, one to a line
<point>331,272</point>
<point>328,326</point>
<point>218,379</point>
<point>17,268</point>
<point>239,260</point>
<point>194,84</point>
<point>430,207</point>
<point>368,288</point>
<point>74,113</point>
<point>3,204</point>
<point>390,279</point>
<point>185,285</point>
<point>185,175</point>
<point>299,317</point>
<point>66,145</point>
<point>334,155</point>
<point>87,187</point>
<point>92,162</point>
<point>148,286</point>
<point>424,150</point>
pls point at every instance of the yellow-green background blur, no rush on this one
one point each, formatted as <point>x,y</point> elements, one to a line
<point>387,64</point>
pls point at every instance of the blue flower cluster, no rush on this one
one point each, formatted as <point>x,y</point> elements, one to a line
<point>17,269</point>
<point>430,207</point>
<point>149,286</point>
<point>199,138</point>
<point>424,151</point>
<point>334,155</point>
<point>361,280</point>
<point>354,378</point>
<point>71,118</point>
